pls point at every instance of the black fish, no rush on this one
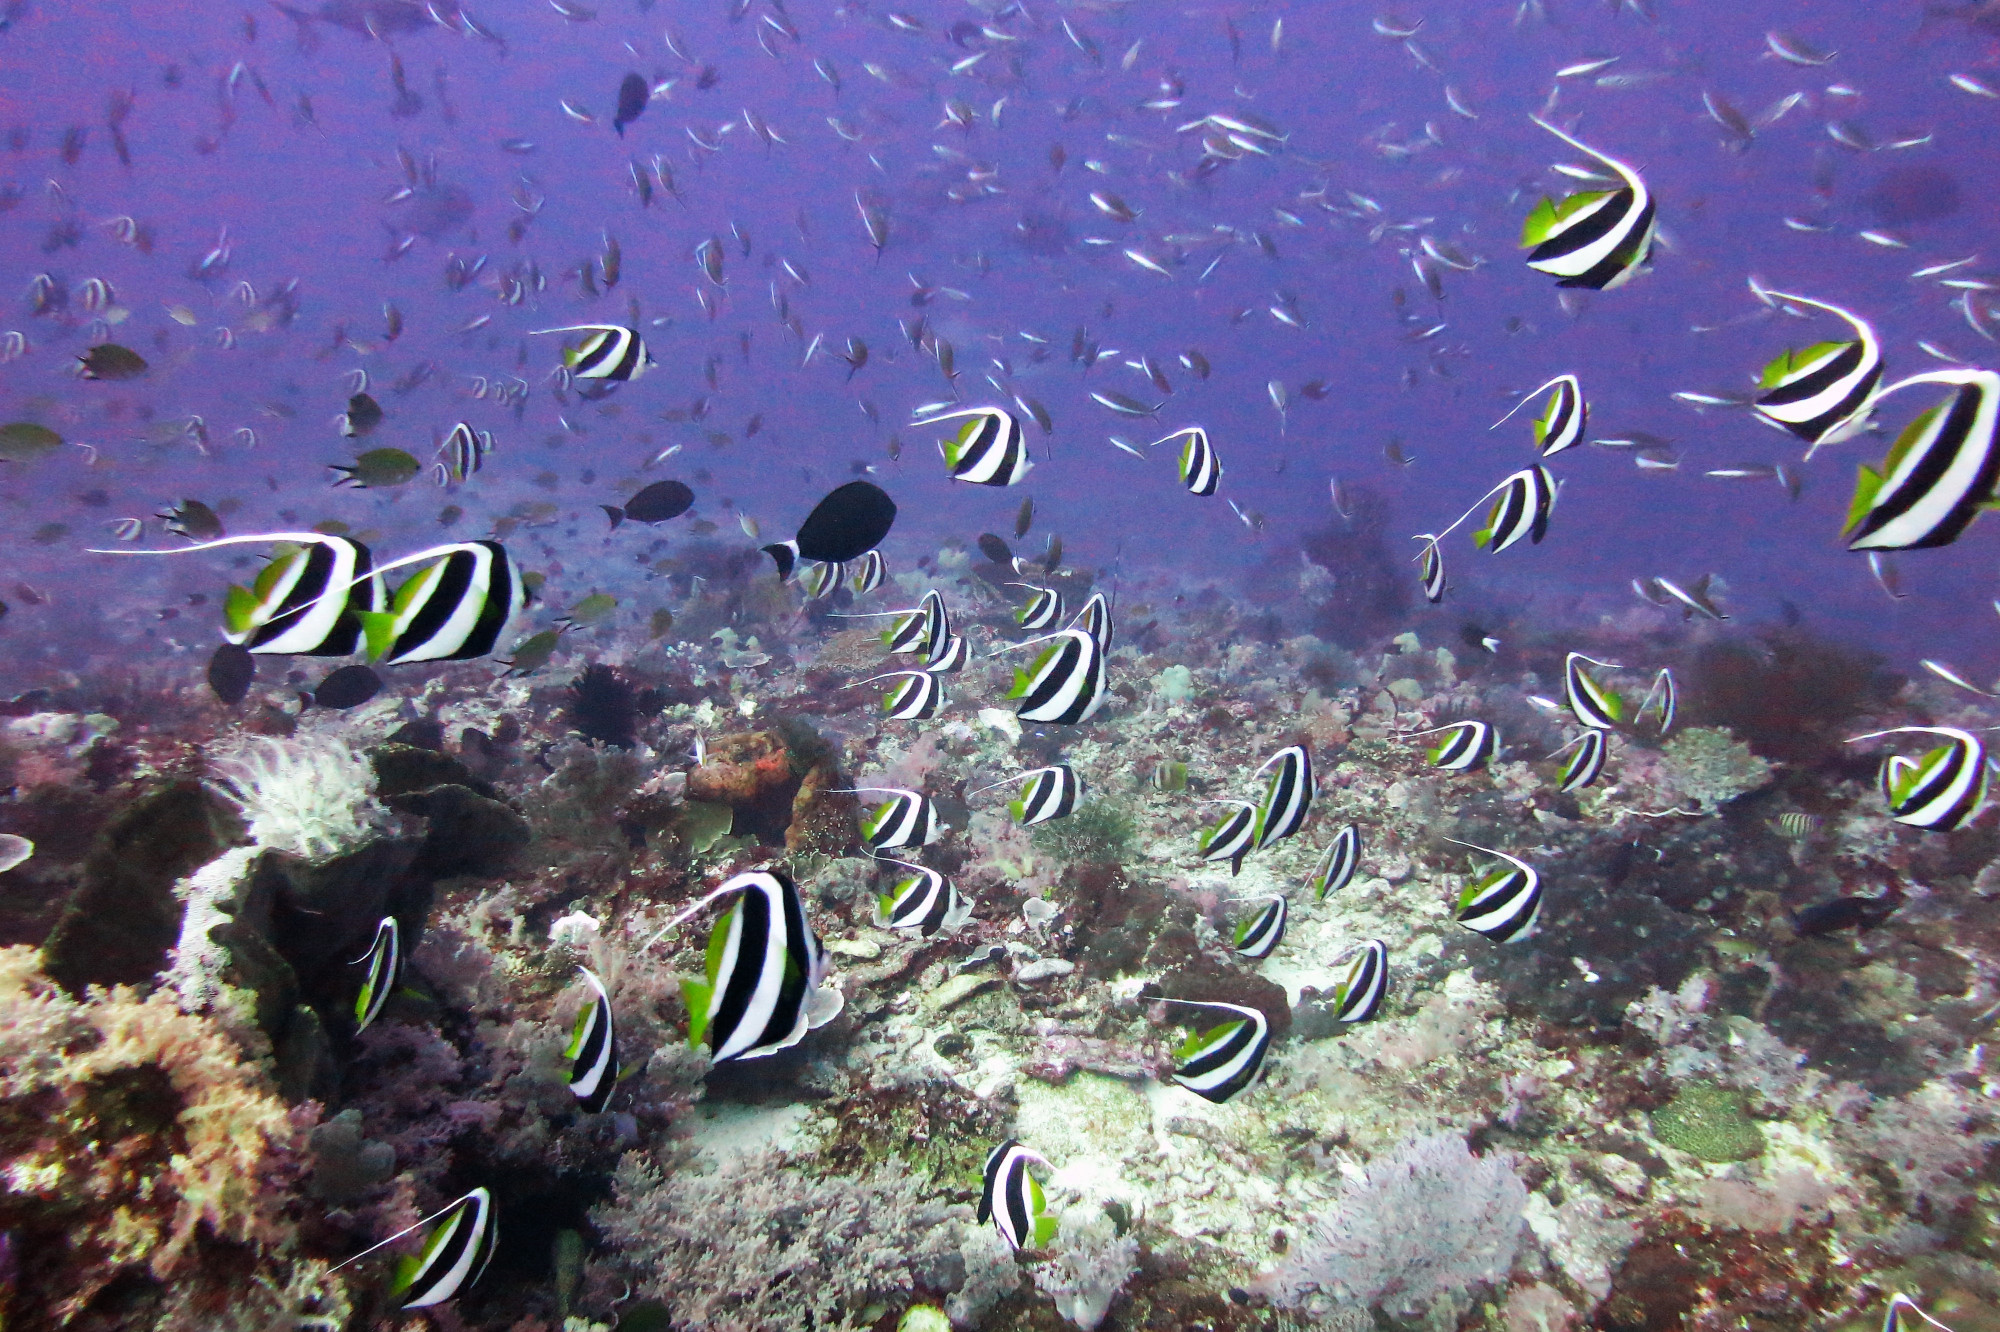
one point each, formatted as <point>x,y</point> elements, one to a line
<point>994,549</point>
<point>1858,913</point>
<point>847,524</point>
<point>655,504</point>
<point>633,94</point>
<point>347,687</point>
<point>109,361</point>
<point>363,415</point>
<point>194,520</point>
<point>230,671</point>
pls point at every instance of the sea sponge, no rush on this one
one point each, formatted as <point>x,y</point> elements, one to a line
<point>311,796</point>
<point>1710,767</point>
<point>1709,1123</point>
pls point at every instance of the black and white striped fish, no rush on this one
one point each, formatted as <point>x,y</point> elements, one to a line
<point>1942,791</point>
<point>1095,620</point>
<point>384,960</point>
<point>988,450</point>
<point>1431,571</point>
<point>1200,470</point>
<point>1259,934</point>
<point>1012,1198</point>
<point>1042,609</point>
<point>1663,699</point>
<point>593,1049</point>
<point>821,580</point>
<point>1903,1315</point>
<point>925,901</point>
<point>306,600</point>
<point>1288,797</point>
<point>1218,1063</point>
<point>1359,994</point>
<point>946,654</point>
<point>916,695</point>
<point>764,987</point>
<point>1046,793</point>
<point>455,1254</point>
<point>1940,473</point>
<point>1503,903</point>
<point>1594,705</point>
<point>1231,837</point>
<point>1466,745</point>
<point>869,574</point>
<point>1337,863</point>
<point>1565,416</point>
<point>1586,763</point>
<point>461,454</point>
<point>1065,685</point>
<point>611,352</point>
<point>1597,239</point>
<point>1822,393</point>
<point>915,630</point>
<point>1521,509</point>
<point>454,609</point>
<point>906,818</point>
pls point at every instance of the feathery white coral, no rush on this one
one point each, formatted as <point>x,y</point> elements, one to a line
<point>312,798</point>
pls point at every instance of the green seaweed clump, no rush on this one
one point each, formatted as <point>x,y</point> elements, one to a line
<point>1708,765</point>
<point>1709,1122</point>
<point>1098,833</point>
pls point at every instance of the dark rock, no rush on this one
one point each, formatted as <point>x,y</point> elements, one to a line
<point>423,733</point>
<point>469,833</point>
<point>403,768</point>
<point>319,917</point>
<point>123,916</point>
<point>305,1068</point>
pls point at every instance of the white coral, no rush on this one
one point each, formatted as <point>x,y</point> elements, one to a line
<point>1091,1265</point>
<point>313,799</point>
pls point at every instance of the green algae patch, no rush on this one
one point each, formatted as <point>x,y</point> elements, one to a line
<point>1709,1123</point>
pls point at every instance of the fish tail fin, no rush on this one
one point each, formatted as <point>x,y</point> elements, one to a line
<point>614,513</point>
<point>785,555</point>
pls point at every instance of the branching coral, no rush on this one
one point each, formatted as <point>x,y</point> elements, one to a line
<point>140,1143</point>
<point>761,1246</point>
<point>313,798</point>
<point>1092,1263</point>
<point>1426,1219</point>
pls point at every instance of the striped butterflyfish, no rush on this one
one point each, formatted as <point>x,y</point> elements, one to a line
<point>384,963</point>
<point>1521,507</point>
<point>1822,393</point>
<point>1259,933</point>
<point>454,1256</point>
<point>1043,607</point>
<point>1940,473</point>
<point>1065,685</point>
<point>821,580</point>
<point>1564,416</point>
<point>1903,1315</point>
<point>906,818</point>
<point>1288,797</point>
<point>1218,1063</point>
<point>1231,837</point>
<point>453,609</point>
<point>1431,567</point>
<point>611,352</point>
<point>1464,745</point>
<point>1012,1198</point>
<point>916,695</point>
<point>915,630</point>
<point>1585,765</point>
<point>1943,790</point>
<point>1095,620</point>
<point>306,600</point>
<point>1594,705</point>
<point>1663,699</point>
<point>763,987</point>
<point>1502,903</point>
<point>593,1049</point>
<point>1200,470</point>
<point>946,654</point>
<point>1358,994</point>
<point>1598,238</point>
<point>924,900</point>
<point>461,454</point>
<point>1046,793</point>
<point>988,450</point>
<point>1170,776</point>
<point>1337,863</point>
<point>869,572</point>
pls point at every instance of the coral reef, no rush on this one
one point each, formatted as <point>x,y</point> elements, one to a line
<point>1708,1123</point>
